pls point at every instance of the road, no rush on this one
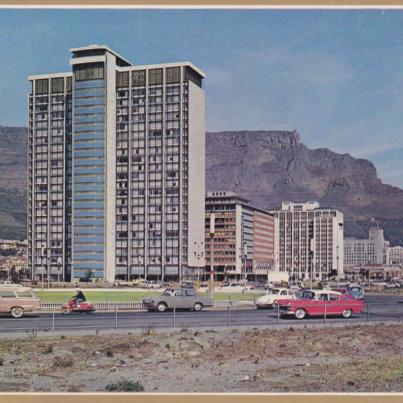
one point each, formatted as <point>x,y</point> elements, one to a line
<point>381,308</point>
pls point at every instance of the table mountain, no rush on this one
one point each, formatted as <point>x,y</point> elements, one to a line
<point>266,167</point>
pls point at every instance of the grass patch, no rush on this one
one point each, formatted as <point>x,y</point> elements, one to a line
<point>132,296</point>
<point>95,296</point>
<point>125,386</point>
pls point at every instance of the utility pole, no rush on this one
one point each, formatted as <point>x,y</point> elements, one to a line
<point>312,248</point>
<point>198,253</point>
<point>212,230</point>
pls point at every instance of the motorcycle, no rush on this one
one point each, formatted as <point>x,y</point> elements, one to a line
<point>72,306</point>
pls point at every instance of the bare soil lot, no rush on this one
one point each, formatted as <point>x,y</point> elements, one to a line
<point>361,358</point>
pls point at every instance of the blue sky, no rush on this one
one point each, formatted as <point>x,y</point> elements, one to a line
<point>334,75</point>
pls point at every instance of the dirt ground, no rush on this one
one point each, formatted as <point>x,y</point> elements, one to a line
<point>361,358</point>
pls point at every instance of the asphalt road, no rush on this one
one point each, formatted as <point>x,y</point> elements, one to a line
<point>380,308</point>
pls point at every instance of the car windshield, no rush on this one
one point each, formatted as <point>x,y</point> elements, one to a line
<point>275,291</point>
<point>168,291</point>
<point>308,295</point>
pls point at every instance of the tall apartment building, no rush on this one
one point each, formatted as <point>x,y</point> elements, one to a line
<point>243,240</point>
<point>116,168</point>
<point>309,240</point>
<point>366,251</point>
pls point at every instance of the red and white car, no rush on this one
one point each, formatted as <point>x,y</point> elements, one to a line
<point>320,303</point>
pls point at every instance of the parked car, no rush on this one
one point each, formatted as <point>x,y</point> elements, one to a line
<point>151,284</point>
<point>319,303</point>
<point>17,300</point>
<point>275,294</point>
<point>188,284</point>
<point>180,298</point>
<point>394,284</point>
<point>232,286</point>
<point>354,290</point>
<point>8,283</point>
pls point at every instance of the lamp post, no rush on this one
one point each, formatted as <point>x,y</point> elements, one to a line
<point>312,249</point>
<point>212,230</point>
<point>244,255</point>
<point>198,253</point>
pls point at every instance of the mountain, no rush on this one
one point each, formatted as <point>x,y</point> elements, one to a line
<point>268,167</point>
<point>265,167</point>
<point>13,179</point>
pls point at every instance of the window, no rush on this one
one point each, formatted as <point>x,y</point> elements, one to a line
<point>42,87</point>
<point>189,293</point>
<point>93,71</point>
<point>179,293</point>
<point>68,84</point>
<point>172,75</point>
<point>24,294</point>
<point>155,76</point>
<point>122,79</point>
<point>191,75</point>
<point>57,84</point>
<point>7,294</point>
<point>138,78</point>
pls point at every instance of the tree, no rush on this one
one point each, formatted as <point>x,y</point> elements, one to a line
<point>89,274</point>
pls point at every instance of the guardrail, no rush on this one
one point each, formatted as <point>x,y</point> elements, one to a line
<point>136,305</point>
<point>228,314</point>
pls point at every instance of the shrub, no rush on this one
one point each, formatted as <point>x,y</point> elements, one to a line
<point>125,386</point>
<point>48,349</point>
<point>63,362</point>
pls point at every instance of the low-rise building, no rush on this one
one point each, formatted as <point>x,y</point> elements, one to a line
<point>243,241</point>
<point>395,255</point>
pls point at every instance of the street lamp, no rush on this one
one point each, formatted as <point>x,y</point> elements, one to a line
<point>212,230</point>
<point>198,253</point>
<point>244,256</point>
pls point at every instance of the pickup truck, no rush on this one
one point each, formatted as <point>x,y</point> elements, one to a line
<point>320,303</point>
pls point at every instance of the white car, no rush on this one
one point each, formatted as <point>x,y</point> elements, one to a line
<point>274,294</point>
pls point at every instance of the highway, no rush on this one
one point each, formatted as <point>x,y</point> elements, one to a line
<point>381,308</point>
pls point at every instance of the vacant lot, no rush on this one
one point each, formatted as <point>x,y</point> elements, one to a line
<point>366,358</point>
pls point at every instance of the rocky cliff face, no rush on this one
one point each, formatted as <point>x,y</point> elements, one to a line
<point>271,166</point>
<point>265,167</point>
<point>13,179</point>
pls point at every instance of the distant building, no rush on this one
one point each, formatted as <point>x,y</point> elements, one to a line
<point>395,255</point>
<point>243,239</point>
<point>366,251</point>
<point>309,240</point>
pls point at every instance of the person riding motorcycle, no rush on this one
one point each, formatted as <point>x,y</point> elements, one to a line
<point>79,297</point>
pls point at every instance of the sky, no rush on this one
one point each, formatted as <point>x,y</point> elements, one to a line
<point>336,76</point>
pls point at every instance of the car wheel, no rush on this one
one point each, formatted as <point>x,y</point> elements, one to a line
<point>161,307</point>
<point>17,312</point>
<point>66,311</point>
<point>347,313</point>
<point>197,306</point>
<point>300,313</point>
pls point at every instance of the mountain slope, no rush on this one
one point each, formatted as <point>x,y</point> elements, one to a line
<point>266,167</point>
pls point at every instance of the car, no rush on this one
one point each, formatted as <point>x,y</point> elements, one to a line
<point>179,298</point>
<point>151,284</point>
<point>392,285</point>
<point>273,295</point>
<point>320,303</point>
<point>8,283</point>
<point>18,300</point>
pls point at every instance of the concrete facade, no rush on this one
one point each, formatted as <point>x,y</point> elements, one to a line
<point>116,168</point>
<point>243,244</point>
<point>366,251</point>
<point>309,240</point>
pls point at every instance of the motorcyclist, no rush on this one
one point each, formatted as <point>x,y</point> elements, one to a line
<point>79,297</point>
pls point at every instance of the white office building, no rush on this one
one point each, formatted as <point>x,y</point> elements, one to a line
<point>116,168</point>
<point>366,251</point>
<point>308,241</point>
